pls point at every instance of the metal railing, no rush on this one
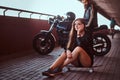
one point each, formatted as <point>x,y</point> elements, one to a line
<point>5,9</point>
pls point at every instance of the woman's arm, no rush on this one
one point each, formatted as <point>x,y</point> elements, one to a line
<point>69,54</point>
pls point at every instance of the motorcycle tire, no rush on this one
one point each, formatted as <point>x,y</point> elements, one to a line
<point>101,44</point>
<point>41,46</point>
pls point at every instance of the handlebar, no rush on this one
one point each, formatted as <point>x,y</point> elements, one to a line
<point>56,19</point>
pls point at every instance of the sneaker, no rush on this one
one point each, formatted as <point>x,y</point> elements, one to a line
<point>52,73</point>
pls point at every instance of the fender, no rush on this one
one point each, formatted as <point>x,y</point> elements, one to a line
<point>45,32</point>
<point>103,29</point>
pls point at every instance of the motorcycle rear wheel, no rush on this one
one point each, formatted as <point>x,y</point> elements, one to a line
<point>43,46</point>
<point>101,44</point>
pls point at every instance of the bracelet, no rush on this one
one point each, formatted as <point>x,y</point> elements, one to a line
<point>78,35</point>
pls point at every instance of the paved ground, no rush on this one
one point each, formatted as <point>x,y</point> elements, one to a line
<point>30,65</point>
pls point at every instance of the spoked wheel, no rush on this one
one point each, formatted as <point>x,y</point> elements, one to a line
<point>43,46</point>
<point>101,44</point>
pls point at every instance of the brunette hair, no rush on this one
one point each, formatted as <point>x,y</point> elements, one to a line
<point>72,34</point>
<point>89,1</point>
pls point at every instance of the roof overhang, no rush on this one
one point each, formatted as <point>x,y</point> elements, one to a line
<point>108,8</point>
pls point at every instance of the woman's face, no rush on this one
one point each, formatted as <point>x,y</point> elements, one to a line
<point>79,26</point>
<point>85,2</point>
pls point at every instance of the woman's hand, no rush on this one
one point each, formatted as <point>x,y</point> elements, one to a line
<point>69,54</point>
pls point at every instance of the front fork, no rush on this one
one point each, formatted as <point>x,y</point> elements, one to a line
<point>47,34</point>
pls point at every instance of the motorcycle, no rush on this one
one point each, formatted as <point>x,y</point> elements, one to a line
<point>101,42</point>
<point>44,42</point>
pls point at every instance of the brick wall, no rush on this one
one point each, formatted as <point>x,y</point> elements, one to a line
<point>16,34</point>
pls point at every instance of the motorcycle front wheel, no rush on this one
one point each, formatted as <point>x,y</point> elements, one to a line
<point>42,45</point>
<point>101,44</point>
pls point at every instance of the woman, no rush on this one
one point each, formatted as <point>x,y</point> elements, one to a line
<point>78,51</point>
<point>90,15</point>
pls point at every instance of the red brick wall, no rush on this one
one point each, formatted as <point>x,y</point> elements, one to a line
<point>16,34</point>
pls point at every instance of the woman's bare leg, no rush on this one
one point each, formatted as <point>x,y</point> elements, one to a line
<point>59,61</point>
<point>83,56</point>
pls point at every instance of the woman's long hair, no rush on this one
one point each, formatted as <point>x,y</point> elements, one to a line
<point>73,33</point>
